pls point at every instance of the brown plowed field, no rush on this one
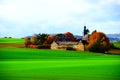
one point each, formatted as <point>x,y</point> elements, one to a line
<point>11,45</point>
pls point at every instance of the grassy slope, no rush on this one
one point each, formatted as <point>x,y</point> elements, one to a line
<point>34,64</point>
<point>11,40</point>
<point>116,44</point>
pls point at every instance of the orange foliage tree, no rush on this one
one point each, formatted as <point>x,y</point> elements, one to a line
<point>49,40</point>
<point>98,42</point>
<point>70,35</point>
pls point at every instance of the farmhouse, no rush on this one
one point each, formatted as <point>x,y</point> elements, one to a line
<point>61,41</point>
<point>67,41</point>
<point>65,45</point>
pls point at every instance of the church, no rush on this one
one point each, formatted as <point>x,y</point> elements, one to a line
<point>67,41</point>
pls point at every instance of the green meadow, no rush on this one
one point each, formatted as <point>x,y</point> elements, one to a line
<point>11,40</point>
<point>42,64</point>
<point>116,44</point>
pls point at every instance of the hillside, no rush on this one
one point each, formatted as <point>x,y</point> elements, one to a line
<point>114,37</point>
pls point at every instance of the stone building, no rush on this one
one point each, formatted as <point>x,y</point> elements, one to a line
<point>78,46</point>
<point>67,40</point>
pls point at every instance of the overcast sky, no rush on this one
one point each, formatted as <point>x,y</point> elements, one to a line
<point>19,18</point>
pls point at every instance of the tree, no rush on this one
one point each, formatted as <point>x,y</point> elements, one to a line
<point>49,39</point>
<point>42,38</point>
<point>70,35</point>
<point>27,41</point>
<point>98,42</point>
<point>94,31</point>
<point>34,39</point>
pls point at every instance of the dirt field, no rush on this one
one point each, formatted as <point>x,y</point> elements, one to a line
<point>12,45</point>
<point>115,51</point>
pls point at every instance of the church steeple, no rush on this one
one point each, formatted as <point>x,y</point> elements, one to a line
<point>85,31</point>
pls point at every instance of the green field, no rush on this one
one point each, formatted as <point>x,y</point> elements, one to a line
<point>34,64</point>
<point>116,44</point>
<point>11,40</point>
<point>38,64</point>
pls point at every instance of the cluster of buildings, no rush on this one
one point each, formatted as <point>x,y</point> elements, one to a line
<point>67,41</point>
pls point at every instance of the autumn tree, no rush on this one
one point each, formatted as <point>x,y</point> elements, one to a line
<point>27,41</point>
<point>94,31</point>
<point>34,39</point>
<point>98,42</point>
<point>49,39</point>
<point>38,39</point>
<point>70,35</point>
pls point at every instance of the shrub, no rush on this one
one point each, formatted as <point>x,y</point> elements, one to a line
<point>43,47</point>
<point>32,46</point>
<point>98,42</point>
<point>112,45</point>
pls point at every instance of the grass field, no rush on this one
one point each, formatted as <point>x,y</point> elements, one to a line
<point>36,64</point>
<point>116,44</point>
<point>11,40</point>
